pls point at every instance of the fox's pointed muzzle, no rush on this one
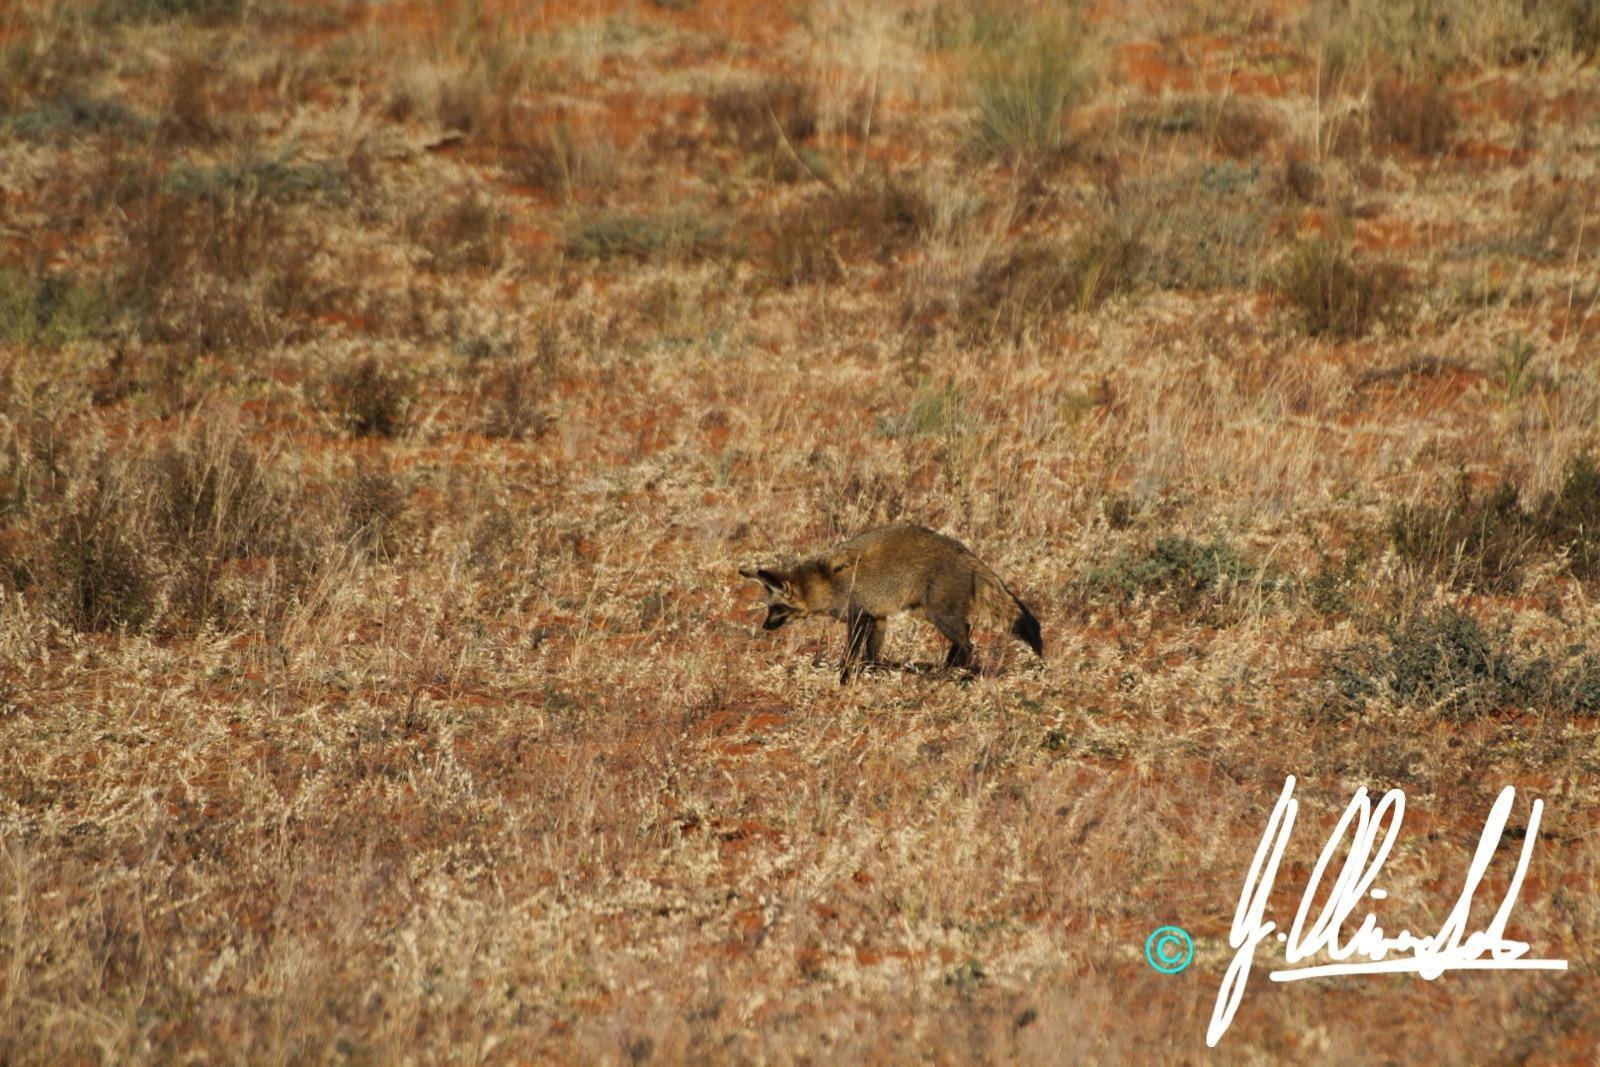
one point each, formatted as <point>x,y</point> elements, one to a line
<point>777,615</point>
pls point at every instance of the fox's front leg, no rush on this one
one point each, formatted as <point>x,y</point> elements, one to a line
<point>857,642</point>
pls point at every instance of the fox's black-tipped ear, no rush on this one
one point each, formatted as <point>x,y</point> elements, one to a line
<point>771,579</point>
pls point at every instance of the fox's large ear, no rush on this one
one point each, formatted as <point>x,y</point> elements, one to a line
<point>767,578</point>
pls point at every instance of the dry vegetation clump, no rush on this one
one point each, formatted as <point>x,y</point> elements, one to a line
<point>772,121</point>
<point>371,399</point>
<point>97,571</point>
<point>375,501</point>
<point>1422,118</point>
<point>1336,296</point>
<point>1203,228</point>
<point>1019,291</point>
<point>512,398</point>
<point>1238,129</point>
<point>669,234</point>
<point>1190,572</point>
<point>1435,36</point>
<point>390,394</point>
<point>872,218</point>
<point>216,257</point>
<point>1445,663</point>
<point>1485,540</point>
<point>564,160</point>
<point>44,310</point>
<point>467,231</point>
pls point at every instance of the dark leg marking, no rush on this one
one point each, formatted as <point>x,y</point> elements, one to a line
<point>958,633</point>
<point>857,642</point>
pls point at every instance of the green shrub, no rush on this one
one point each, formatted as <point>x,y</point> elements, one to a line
<point>1447,663</point>
<point>1484,541</point>
<point>1190,571</point>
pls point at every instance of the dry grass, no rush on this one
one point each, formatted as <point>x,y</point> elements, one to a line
<point>390,394</point>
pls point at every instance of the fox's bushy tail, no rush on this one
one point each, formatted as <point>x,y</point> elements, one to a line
<point>1026,629</point>
<point>998,606</point>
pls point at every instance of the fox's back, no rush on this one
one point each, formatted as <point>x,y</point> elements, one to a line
<point>892,568</point>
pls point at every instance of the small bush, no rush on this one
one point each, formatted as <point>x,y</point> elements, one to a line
<point>1025,85</point>
<point>1446,662</point>
<point>49,311</point>
<point>1420,117</point>
<point>1204,228</point>
<point>212,502</point>
<point>937,411</point>
<point>215,263</point>
<point>1239,129</point>
<point>1191,571</point>
<point>608,234</point>
<point>375,502</point>
<point>1432,37</point>
<point>370,400</point>
<point>73,115</point>
<point>510,398</point>
<point>100,575</point>
<point>1568,519</point>
<point>1302,180</point>
<point>1556,220</point>
<point>467,232</point>
<point>1336,297</point>
<point>560,160</point>
<point>813,242</point>
<point>276,180</point>
<point>1013,292</point>
<point>1479,541</point>
<point>189,117</point>
<point>1485,541</point>
<point>204,11</point>
<point>771,121</point>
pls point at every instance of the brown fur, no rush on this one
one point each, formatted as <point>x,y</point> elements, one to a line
<point>883,572</point>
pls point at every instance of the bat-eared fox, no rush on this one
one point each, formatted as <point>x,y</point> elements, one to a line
<point>889,570</point>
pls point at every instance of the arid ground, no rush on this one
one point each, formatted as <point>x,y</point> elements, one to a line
<point>391,391</point>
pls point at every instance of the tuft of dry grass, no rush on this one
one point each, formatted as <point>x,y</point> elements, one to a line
<point>1334,295</point>
<point>1420,117</point>
<point>371,400</point>
<point>390,394</point>
<point>1019,291</point>
<point>1027,75</point>
<point>872,218</point>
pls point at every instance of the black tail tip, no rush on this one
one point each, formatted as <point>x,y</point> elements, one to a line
<point>1026,630</point>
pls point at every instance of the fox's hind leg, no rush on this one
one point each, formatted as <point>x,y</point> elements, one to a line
<point>858,642</point>
<point>959,633</point>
